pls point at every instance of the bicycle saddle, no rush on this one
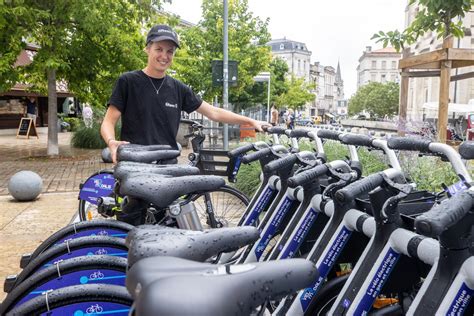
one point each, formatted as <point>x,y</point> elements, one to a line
<point>147,156</point>
<point>192,245</point>
<point>126,168</point>
<point>224,290</point>
<point>145,230</point>
<point>162,190</point>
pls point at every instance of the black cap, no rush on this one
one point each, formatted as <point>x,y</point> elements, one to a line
<point>161,32</point>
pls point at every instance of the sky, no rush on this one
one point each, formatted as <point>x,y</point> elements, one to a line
<point>333,30</point>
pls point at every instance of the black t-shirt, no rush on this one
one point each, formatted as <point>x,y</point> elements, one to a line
<point>149,118</point>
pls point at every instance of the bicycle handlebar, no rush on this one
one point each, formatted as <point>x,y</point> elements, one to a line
<point>299,133</point>
<point>466,150</point>
<point>445,215</point>
<point>240,150</point>
<point>357,140</point>
<point>327,134</point>
<point>281,163</point>
<point>355,189</point>
<point>276,130</point>
<point>248,158</point>
<point>413,144</point>
<point>307,176</point>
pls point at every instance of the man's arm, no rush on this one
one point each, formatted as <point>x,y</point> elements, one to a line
<point>220,115</point>
<point>107,130</point>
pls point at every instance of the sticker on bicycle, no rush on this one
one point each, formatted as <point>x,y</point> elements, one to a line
<point>375,286</point>
<point>329,258</point>
<point>456,188</point>
<point>90,308</point>
<point>272,228</point>
<point>95,232</point>
<point>259,206</point>
<point>461,300</point>
<point>90,251</point>
<point>301,233</point>
<point>97,186</point>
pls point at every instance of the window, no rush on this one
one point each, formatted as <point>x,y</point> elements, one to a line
<point>282,46</point>
<point>384,64</point>
<point>383,78</point>
<point>373,77</point>
<point>394,64</point>
<point>374,64</point>
<point>393,78</point>
<point>304,65</point>
<point>299,64</point>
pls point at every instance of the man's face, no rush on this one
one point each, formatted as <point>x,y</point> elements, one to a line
<point>160,55</point>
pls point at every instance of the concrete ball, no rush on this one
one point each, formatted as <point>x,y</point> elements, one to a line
<point>25,185</point>
<point>106,157</point>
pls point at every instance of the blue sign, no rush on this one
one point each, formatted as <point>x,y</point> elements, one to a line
<point>326,265</point>
<point>301,233</point>
<point>99,185</point>
<point>272,228</point>
<point>461,300</point>
<point>259,206</point>
<point>375,286</point>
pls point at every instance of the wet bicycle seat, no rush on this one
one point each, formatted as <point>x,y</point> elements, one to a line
<point>224,290</point>
<point>188,244</point>
<point>163,190</point>
<point>145,230</point>
<point>146,156</point>
<point>126,168</point>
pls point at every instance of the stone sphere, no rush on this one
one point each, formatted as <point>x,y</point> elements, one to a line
<point>106,157</point>
<point>25,185</point>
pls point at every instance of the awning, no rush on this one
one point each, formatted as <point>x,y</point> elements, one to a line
<point>431,109</point>
<point>329,115</point>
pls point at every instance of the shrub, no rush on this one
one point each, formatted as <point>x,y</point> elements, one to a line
<point>85,137</point>
<point>74,123</point>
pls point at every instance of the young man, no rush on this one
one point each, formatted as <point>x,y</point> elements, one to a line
<point>150,102</point>
<point>31,109</point>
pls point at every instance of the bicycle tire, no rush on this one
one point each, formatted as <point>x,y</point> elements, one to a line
<point>228,203</point>
<point>76,294</point>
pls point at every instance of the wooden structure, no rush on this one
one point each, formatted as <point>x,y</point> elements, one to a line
<point>438,63</point>
<point>27,128</point>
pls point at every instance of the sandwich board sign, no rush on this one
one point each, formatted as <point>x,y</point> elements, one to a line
<point>27,128</point>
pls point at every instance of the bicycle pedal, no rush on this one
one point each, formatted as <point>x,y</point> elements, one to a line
<point>25,259</point>
<point>10,281</point>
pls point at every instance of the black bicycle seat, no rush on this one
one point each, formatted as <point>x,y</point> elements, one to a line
<point>163,190</point>
<point>126,168</point>
<point>192,245</point>
<point>224,290</point>
<point>147,156</point>
<point>145,230</point>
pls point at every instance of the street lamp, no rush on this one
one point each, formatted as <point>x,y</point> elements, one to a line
<point>265,77</point>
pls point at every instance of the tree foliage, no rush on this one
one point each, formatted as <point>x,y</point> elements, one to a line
<point>203,43</point>
<point>433,15</point>
<point>297,95</point>
<point>378,99</point>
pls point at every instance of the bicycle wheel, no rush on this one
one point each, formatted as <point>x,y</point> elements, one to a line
<point>99,184</point>
<point>228,207</point>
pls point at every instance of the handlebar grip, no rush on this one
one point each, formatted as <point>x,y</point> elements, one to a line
<point>327,134</point>
<point>240,150</point>
<point>355,189</point>
<point>404,143</point>
<point>256,155</point>
<point>357,140</point>
<point>281,163</point>
<point>276,130</point>
<point>466,150</point>
<point>307,176</point>
<point>299,133</point>
<point>445,215</point>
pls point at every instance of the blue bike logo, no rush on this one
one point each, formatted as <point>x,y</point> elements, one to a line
<point>94,309</point>
<point>101,252</point>
<point>97,275</point>
<point>98,184</point>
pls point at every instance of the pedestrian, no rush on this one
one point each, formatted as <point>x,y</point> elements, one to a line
<point>290,120</point>
<point>31,108</point>
<point>274,115</point>
<point>149,103</point>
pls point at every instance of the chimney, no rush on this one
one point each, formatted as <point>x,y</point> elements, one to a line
<point>368,49</point>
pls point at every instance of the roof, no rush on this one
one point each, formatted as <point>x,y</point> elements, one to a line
<point>386,50</point>
<point>286,44</point>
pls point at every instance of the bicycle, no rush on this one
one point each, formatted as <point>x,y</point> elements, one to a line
<point>218,208</point>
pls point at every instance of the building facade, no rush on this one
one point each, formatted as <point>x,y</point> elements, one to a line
<point>425,90</point>
<point>329,91</point>
<point>295,54</point>
<point>379,65</point>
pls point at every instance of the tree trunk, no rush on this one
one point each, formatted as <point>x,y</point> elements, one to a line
<point>53,149</point>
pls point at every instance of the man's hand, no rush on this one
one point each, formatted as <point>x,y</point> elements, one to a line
<point>258,125</point>
<point>113,145</point>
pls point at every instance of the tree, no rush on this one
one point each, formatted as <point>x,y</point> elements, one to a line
<point>433,15</point>
<point>203,43</point>
<point>378,99</point>
<point>85,43</point>
<point>298,94</point>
